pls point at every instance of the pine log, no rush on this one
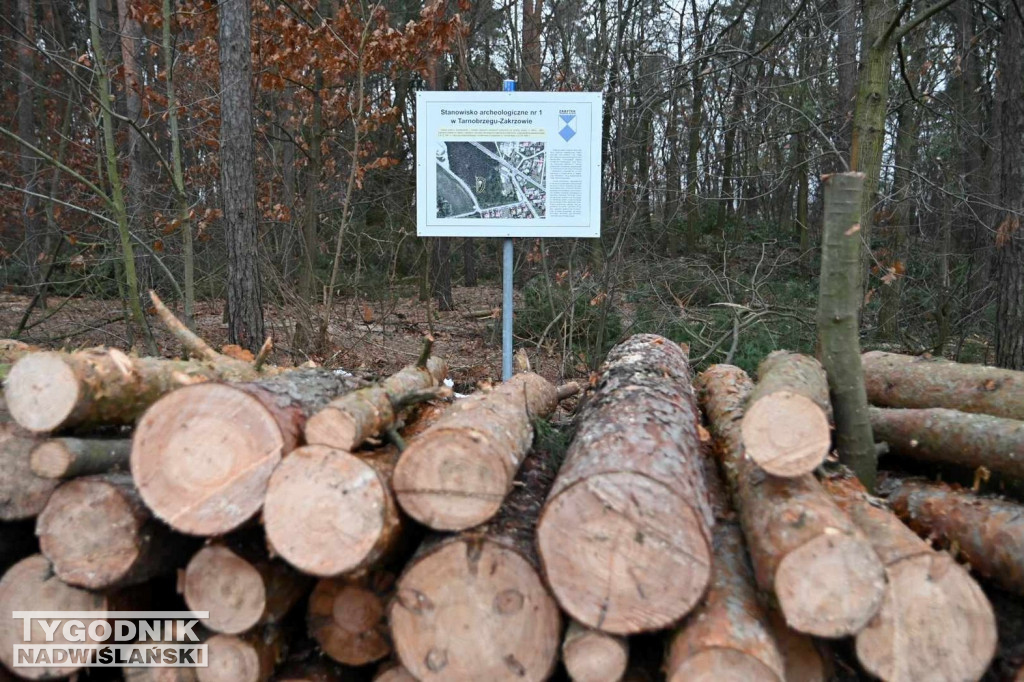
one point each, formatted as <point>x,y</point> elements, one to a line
<point>935,622</point>
<point>329,512</point>
<point>394,672</point>
<point>347,616</point>
<point>594,656</point>
<point>348,421</point>
<point>804,659</point>
<point>987,532</point>
<point>99,535</point>
<point>240,591</point>
<point>455,475</point>
<point>894,380</point>
<point>827,578</point>
<point>99,387</point>
<point>251,657</point>
<point>625,535</point>
<point>71,457</point>
<point>150,674</point>
<point>786,424</point>
<point>202,455</point>
<point>473,606</point>
<point>954,437</point>
<point>31,585</point>
<point>22,494</point>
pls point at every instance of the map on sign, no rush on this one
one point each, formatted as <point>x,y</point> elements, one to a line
<point>491,180</point>
<point>508,164</point>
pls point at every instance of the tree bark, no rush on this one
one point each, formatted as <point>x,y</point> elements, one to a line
<point>594,656</point>
<point>22,494</point>
<point>237,176</point>
<point>894,380</point>
<point>456,474</point>
<point>441,272</point>
<point>786,424</point>
<point>484,584</point>
<point>30,215</point>
<point>633,472</point>
<point>203,454</point>
<point>73,457</point>
<point>347,617</point>
<point>935,622</point>
<point>793,529</point>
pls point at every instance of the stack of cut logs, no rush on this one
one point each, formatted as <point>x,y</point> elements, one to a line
<point>339,529</point>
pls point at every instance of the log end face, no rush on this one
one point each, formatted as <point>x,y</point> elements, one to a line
<point>449,481</point>
<point>51,459</point>
<point>230,660</point>
<point>830,586</point>
<point>325,511</point>
<point>475,611</point>
<point>42,392</point>
<point>333,428</point>
<point>786,433</point>
<point>23,494</point>
<point>595,657</point>
<point>349,622</point>
<point>202,455</point>
<point>229,587</point>
<point>721,664</point>
<point>623,553</point>
<point>935,624</point>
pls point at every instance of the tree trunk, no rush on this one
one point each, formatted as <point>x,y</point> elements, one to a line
<point>786,424</point>
<point>73,457</point>
<point>469,262</point>
<point>846,63</point>
<point>633,472</point>
<point>792,527</point>
<point>30,215</point>
<point>22,494</point>
<point>529,78</point>
<point>237,177</point>
<point>594,656</point>
<point>935,622</point>
<point>457,473</point>
<point>484,584</point>
<point>203,454</point>
<point>347,617</point>
<point>311,215</point>
<point>894,380</point>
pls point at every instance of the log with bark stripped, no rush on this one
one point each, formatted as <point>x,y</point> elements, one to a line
<point>239,588</point>
<point>625,535</point>
<point>786,422</point>
<point>827,578</point>
<point>473,606</point>
<point>170,634</point>
<point>23,494</point>
<point>457,473</point>
<point>594,656</point>
<point>953,437</point>
<point>894,380</point>
<point>99,535</point>
<point>329,512</point>
<point>935,622</point>
<point>348,617</point>
<point>202,455</point>
<point>348,421</point>
<point>987,532</point>
<point>100,387</point>
<point>71,457</point>
<point>250,657</point>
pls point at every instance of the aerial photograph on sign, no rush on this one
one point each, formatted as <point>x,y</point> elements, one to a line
<point>491,180</point>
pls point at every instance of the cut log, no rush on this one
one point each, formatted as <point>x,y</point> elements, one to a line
<point>987,532</point>
<point>394,672</point>
<point>31,585</point>
<point>728,636</point>
<point>71,457</point>
<point>455,475</point>
<point>473,606</point>
<point>935,622</point>
<point>240,592</point>
<point>99,535</point>
<point>347,616</point>
<point>827,578</point>
<point>594,656</point>
<point>22,494</point>
<point>894,380</point>
<point>243,658</point>
<point>954,437</point>
<point>202,455</point>
<point>329,512</point>
<point>150,674</point>
<point>786,423</point>
<point>347,422</point>
<point>803,657</point>
<point>100,387</point>
<point>624,536</point>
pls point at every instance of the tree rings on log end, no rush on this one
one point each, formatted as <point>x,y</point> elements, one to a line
<point>348,620</point>
<point>475,610</point>
<point>787,434</point>
<point>623,553</point>
<point>51,459</point>
<point>202,455</point>
<point>230,659</point>
<point>720,664</point>
<point>42,391</point>
<point>830,586</point>
<point>594,656</point>
<point>229,587</point>
<point>325,510</point>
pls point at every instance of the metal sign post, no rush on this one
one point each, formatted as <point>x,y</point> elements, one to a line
<point>507,263</point>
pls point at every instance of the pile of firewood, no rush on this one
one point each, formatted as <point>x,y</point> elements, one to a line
<point>337,528</point>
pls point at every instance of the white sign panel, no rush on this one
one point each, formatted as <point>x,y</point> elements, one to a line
<point>508,164</point>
